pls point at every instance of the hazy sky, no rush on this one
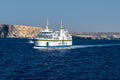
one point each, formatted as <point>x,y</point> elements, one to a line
<point>77,15</point>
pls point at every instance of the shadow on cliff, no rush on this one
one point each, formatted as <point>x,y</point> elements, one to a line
<point>4,29</point>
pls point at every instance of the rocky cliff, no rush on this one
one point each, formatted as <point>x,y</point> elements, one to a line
<point>18,31</point>
<point>98,35</point>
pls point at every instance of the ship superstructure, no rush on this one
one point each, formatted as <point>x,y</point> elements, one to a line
<point>49,38</point>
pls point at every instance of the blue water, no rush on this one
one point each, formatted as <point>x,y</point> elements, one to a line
<point>20,61</point>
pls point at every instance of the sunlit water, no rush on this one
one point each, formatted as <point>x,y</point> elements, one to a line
<point>85,60</point>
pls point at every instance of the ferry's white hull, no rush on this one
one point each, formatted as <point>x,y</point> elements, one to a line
<point>47,43</point>
<point>51,38</point>
<point>52,47</point>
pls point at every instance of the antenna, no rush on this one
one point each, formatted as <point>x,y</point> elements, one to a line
<point>47,24</point>
<point>61,25</point>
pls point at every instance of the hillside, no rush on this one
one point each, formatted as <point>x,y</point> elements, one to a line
<point>18,31</point>
<point>21,31</point>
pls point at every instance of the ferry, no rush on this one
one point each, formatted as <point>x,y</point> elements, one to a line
<point>53,39</point>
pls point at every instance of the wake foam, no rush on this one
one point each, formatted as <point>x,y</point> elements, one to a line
<point>96,45</point>
<point>75,46</point>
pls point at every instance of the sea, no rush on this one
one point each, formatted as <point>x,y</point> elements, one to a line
<point>86,60</point>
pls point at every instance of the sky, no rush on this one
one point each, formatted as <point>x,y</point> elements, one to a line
<point>76,15</point>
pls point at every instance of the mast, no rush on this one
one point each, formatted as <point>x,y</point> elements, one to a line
<point>61,31</point>
<point>47,25</point>
<point>61,25</point>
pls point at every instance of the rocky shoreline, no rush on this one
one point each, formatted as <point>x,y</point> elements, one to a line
<point>21,31</point>
<point>98,35</point>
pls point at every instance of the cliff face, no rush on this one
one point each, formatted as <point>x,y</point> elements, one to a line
<point>18,31</point>
<point>98,35</point>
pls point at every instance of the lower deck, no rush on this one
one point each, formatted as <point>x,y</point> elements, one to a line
<point>53,42</point>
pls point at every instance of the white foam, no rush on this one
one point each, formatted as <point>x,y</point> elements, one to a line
<point>75,46</point>
<point>30,41</point>
<point>51,48</point>
<point>96,45</point>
